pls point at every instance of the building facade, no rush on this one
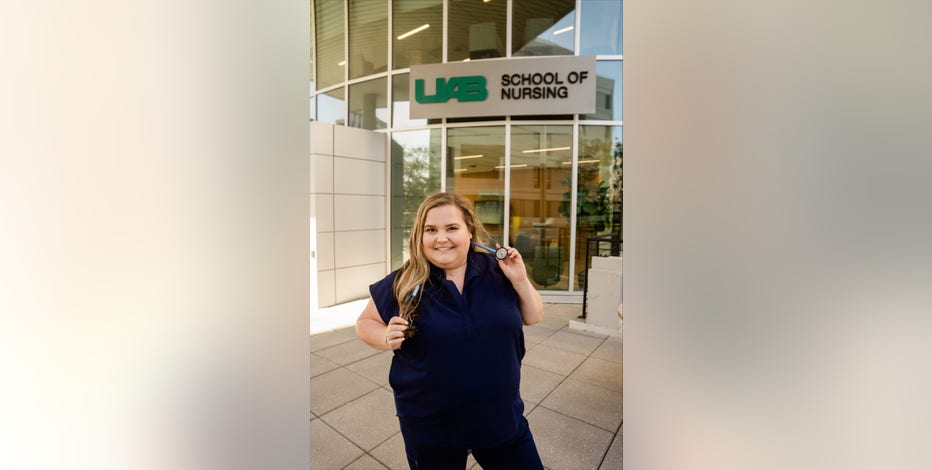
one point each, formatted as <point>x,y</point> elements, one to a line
<point>543,183</point>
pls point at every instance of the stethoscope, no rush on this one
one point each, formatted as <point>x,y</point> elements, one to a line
<point>500,253</point>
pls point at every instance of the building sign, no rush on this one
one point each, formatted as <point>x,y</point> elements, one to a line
<point>500,87</point>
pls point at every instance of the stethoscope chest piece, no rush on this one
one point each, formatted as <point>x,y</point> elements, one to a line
<point>500,253</point>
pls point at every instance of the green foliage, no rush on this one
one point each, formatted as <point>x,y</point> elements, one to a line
<point>419,180</point>
<point>595,192</point>
<point>593,206</point>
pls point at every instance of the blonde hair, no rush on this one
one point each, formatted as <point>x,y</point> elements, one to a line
<point>416,270</point>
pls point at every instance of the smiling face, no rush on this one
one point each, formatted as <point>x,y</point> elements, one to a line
<point>446,237</point>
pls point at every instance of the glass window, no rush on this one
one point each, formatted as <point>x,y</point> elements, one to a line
<point>476,170</point>
<point>543,28</point>
<point>599,190</point>
<point>477,30</point>
<point>368,34</point>
<point>330,107</point>
<point>417,27</point>
<point>415,174</point>
<point>608,97</point>
<point>368,104</point>
<point>541,185</point>
<point>476,119</point>
<point>401,103</point>
<point>329,29</point>
<point>600,27</point>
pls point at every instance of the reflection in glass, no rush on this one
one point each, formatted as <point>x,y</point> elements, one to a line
<point>311,69</point>
<point>541,185</point>
<point>477,30</point>
<point>368,105</point>
<point>415,174</point>
<point>329,29</point>
<point>599,192</point>
<point>600,27</point>
<point>476,170</point>
<point>331,108</point>
<point>608,96</point>
<point>418,45</point>
<point>401,103</point>
<point>543,28</point>
<point>368,28</point>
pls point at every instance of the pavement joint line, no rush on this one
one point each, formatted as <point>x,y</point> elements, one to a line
<point>338,432</point>
<point>605,452</point>
<point>384,441</point>
<point>342,435</point>
<point>567,350</point>
<point>377,446</point>
<point>354,399</point>
<point>580,420</point>
<point>354,461</point>
<point>379,461</point>
<point>602,461</point>
<point>570,373</point>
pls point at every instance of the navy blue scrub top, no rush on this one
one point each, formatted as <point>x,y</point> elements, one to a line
<point>456,381</point>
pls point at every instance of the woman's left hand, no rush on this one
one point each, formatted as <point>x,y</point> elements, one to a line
<point>513,266</point>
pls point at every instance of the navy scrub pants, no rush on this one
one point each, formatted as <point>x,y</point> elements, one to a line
<point>518,454</point>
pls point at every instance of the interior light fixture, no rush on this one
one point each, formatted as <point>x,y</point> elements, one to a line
<point>545,150</point>
<point>414,31</point>
<point>467,59</point>
<point>562,30</point>
<point>341,63</point>
<point>465,157</point>
<point>457,170</point>
<point>513,166</point>
<point>582,161</point>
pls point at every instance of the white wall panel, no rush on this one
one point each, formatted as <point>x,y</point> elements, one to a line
<point>325,251</point>
<point>351,176</point>
<point>322,211</point>
<point>325,289</point>
<point>360,247</point>
<point>321,138</point>
<point>359,143</point>
<point>353,283</point>
<point>321,174</point>
<point>358,212</point>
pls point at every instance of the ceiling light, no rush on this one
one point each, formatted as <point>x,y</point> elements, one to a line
<point>545,150</point>
<point>457,170</point>
<point>414,31</point>
<point>561,31</point>
<point>513,166</point>
<point>468,156</point>
<point>582,161</point>
<point>341,63</point>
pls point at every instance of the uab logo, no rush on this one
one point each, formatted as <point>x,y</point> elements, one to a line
<point>469,88</point>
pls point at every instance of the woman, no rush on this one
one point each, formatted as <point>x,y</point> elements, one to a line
<point>457,362</point>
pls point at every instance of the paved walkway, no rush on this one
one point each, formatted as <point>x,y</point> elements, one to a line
<point>571,383</point>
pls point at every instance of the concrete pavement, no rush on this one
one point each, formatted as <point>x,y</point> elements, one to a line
<point>571,383</point>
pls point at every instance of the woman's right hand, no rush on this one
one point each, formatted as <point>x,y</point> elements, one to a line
<point>395,332</point>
